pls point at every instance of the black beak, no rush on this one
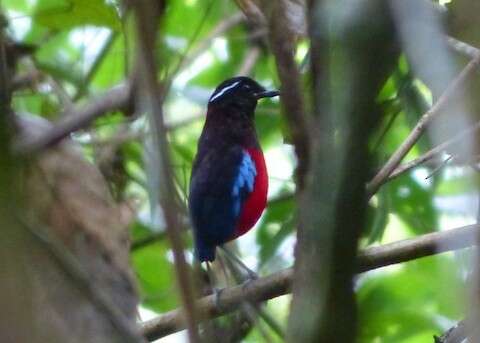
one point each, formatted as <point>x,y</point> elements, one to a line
<point>266,94</point>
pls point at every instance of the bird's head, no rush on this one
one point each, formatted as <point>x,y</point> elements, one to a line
<point>240,92</point>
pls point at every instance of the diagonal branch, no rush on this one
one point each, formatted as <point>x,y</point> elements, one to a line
<point>279,283</point>
<point>219,30</point>
<point>432,153</point>
<point>400,170</point>
<point>463,48</point>
<point>382,176</point>
<point>282,42</point>
<point>115,99</point>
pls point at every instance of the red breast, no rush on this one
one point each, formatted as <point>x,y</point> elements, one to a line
<point>257,200</point>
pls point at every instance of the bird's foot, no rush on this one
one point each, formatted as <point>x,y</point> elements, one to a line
<point>247,282</point>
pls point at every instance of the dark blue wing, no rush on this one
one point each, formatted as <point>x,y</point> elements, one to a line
<point>221,181</point>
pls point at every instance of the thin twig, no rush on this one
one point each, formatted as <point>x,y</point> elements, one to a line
<point>282,43</point>
<point>117,139</point>
<point>400,170</point>
<point>435,152</point>
<point>279,283</point>
<point>463,48</point>
<point>63,97</point>
<point>96,64</point>
<point>145,241</point>
<point>439,167</point>
<point>387,128</point>
<point>221,28</point>
<point>27,79</point>
<point>191,52</point>
<point>249,61</point>
<point>382,176</point>
<point>115,99</point>
<point>148,14</point>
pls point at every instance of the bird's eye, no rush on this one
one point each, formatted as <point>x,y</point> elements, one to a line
<point>247,86</point>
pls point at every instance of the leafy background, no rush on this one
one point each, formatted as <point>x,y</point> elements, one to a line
<point>84,47</point>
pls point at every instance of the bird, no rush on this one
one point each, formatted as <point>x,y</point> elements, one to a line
<point>229,180</point>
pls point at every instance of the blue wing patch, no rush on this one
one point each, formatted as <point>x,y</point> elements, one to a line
<point>244,181</point>
<point>221,182</point>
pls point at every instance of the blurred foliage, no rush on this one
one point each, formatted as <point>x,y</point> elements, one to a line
<point>398,304</point>
<point>84,47</point>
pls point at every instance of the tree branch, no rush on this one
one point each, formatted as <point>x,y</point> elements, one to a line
<point>72,267</point>
<point>279,283</point>
<point>148,16</point>
<point>28,79</point>
<point>115,99</point>
<point>249,61</point>
<point>432,153</point>
<point>222,27</point>
<point>344,114</point>
<point>463,48</point>
<point>382,176</point>
<point>456,334</point>
<point>282,43</point>
<point>193,51</point>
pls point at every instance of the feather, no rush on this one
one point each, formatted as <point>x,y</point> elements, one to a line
<point>221,182</point>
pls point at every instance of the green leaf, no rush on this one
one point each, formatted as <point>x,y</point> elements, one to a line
<point>377,218</point>
<point>407,302</point>
<point>17,5</point>
<point>412,203</point>
<point>155,276</point>
<point>67,14</point>
<point>458,185</point>
<point>277,225</point>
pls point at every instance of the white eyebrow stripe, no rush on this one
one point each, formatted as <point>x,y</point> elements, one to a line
<point>219,94</point>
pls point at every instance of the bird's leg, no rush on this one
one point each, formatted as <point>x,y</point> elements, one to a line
<point>250,310</point>
<point>221,262</point>
<point>215,291</point>
<point>232,257</point>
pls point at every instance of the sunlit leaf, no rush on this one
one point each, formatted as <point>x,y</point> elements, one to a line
<point>66,14</point>
<point>155,277</point>
<point>277,224</point>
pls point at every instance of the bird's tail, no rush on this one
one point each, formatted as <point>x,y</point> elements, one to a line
<point>204,252</point>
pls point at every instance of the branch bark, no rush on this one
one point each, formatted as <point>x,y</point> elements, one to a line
<point>403,168</point>
<point>346,80</point>
<point>219,30</point>
<point>279,283</point>
<point>463,48</point>
<point>456,334</point>
<point>72,267</point>
<point>282,43</point>
<point>382,176</point>
<point>148,16</point>
<point>115,99</point>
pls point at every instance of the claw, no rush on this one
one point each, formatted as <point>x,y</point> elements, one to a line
<point>248,282</point>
